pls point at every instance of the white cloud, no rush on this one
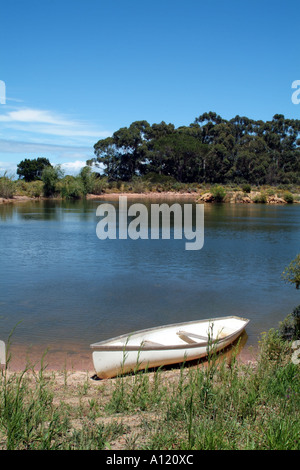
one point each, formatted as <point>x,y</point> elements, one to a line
<point>73,167</point>
<point>40,121</point>
<point>73,130</point>
<point>31,133</point>
<point>14,146</point>
<point>32,115</point>
<point>8,168</point>
<point>15,100</point>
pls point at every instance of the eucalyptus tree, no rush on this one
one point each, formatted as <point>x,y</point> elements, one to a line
<point>210,149</point>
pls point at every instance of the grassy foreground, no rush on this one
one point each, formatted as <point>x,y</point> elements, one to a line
<point>215,405</point>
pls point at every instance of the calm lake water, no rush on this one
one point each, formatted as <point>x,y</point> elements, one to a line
<point>69,289</point>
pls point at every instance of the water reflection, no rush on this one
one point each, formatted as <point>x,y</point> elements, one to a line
<point>6,211</point>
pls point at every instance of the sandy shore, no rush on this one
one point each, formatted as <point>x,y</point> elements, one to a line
<point>150,195</point>
<point>66,357</point>
<point>16,199</point>
<point>78,370</point>
<point>114,196</point>
<point>236,198</point>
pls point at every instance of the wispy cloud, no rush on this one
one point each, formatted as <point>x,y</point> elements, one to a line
<point>13,146</point>
<point>8,168</point>
<point>73,167</point>
<point>39,121</point>
<point>27,132</point>
<point>74,130</point>
<point>72,158</point>
<point>33,115</point>
<point>30,133</point>
<point>15,100</point>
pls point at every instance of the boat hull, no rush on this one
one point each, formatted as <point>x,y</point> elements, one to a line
<point>111,358</point>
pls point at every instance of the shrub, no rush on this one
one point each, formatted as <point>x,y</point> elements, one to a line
<point>260,198</point>
<point>288,197</point>
<point>34,189</point>
<point>7,187</point>
<point>100,185</point>
<point>270,192</point>
<point>289,328</point>
<point>50,179</point>
<point>88,178</point>
<point>246,188</point>
<point>176,186</point>
<point>218,193</point>
<point>139,187</point>
<point>292,272</point>
<point>72,188</point>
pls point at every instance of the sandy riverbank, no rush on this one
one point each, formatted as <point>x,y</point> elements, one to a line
<point>68,357</point>
<point>114,196</point>
<point>77,371</point>
<point>150,195</point>
<point>232,197</point>
<point>16,199</point>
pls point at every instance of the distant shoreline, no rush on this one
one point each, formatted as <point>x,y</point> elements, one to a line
<point>150,195</point>
<point>232,197</point>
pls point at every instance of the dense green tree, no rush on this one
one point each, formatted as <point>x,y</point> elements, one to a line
<point>124,152</point>
<point>211,149</point>
<point>179,155</point>
<point>31,170</point>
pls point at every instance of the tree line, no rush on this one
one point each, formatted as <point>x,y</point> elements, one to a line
<point>211,150</point>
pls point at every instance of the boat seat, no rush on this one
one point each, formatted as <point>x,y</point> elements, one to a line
<point>150,343</point>
<point>186,336</point>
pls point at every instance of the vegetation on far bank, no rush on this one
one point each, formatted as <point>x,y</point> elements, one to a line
<point>55,184</point>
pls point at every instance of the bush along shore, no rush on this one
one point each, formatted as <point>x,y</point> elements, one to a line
<point>89,184</point>
<point>214,405</point>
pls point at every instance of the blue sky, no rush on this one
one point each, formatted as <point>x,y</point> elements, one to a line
<point>75,71</point>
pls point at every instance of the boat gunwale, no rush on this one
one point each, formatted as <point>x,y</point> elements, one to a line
<point>103,346</point>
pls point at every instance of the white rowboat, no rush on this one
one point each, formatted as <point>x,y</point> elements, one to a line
<point>164,345</point>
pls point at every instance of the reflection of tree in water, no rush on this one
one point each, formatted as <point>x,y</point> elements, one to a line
<point>85,210</point>
<point>49,210</point>
<point>6,211</point>
<point>39,210</point>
